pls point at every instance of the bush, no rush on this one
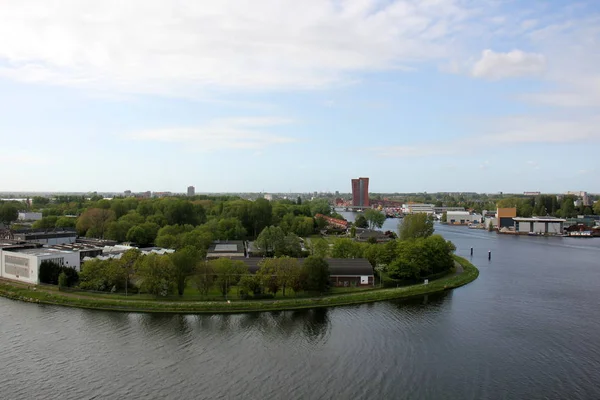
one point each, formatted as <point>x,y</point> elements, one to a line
<point>49,273</point>
<point>62,280</point>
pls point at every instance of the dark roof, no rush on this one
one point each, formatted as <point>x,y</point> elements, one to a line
<point>11,244</point>
<point>370,233</point>
<point>337,266</point>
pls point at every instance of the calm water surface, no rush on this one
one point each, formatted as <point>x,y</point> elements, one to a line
<point>528,328</point>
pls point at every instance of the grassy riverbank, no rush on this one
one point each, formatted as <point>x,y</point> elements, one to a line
<point>42,295</point>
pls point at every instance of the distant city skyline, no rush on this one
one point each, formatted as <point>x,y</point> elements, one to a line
<point>420,96</point>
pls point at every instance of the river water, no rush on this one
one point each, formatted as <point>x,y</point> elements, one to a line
<point>527,328</point>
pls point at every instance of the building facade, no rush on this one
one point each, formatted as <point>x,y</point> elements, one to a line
<point>417,208</point>
<point>463,218</point>
<point>539,226</point>
<point>505,217</point>
<point>360,192</point>
<point>24,264</point>
<point>191,191</point>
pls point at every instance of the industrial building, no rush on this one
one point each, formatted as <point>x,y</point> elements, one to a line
<point>539,225</point>
<point>226,248</point>
<point>23,263</point>
<point>417,208</point>
<point>463,218</point>
<point>504,217</point>
<point>29,216</point>
<point>360,192</point>
<point>47,237</point>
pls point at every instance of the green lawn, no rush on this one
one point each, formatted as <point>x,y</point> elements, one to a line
<point>191,294</point>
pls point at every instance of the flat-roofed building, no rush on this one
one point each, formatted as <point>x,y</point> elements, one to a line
<point>417,208</point>
<point>29,216</point>
<point>48,237</point>
<point>226,248</point>
<point>23,264</point>
<point>505,217</point>
<point>539,225</point>
<point>463,218</point>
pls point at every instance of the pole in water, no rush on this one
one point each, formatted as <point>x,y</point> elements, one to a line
<point>489,255</point>
<point>471,251</point>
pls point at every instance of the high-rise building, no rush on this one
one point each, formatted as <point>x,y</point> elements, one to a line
<point>191,191</point>
<point>360,192</point>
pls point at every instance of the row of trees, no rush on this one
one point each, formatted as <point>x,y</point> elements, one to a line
<point>163,275</point>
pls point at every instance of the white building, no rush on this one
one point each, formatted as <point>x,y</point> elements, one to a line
<point>29,216</point>
<point>463,218</point>
<point>417,208</point>
<point>24,264</point>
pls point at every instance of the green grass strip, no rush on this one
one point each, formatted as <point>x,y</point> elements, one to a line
<point>23,292</point>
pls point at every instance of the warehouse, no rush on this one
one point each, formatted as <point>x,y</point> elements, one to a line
<point>50,237</point>
<point>539,226</point>
<point>463,218</point>
<point>23,264</point>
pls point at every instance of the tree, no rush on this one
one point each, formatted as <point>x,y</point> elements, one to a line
<point>261,213</point>
<point>444,217</point>
<point>597,207</point>
<point>205,277</point>
<point>228,273</point>
<point>65,222</point>
<point>316,272</point>
<point>320,248</point>
<point>94,222</point>
<point>143,234</point>
<point>375,218</point>
<point>289,273</point>
<point>156,274</point>
<point>346,248</point>
<point>230,229</point>
<point>45,223</point>
<point>62,280</point>
<point>270,240</point>
<point>8,213</point>
<point>185,262</point>
<point>268,274</point>
<point>117,230</point>
<point>127,261</point>
<point>416,226</point>
<point>250,284</point>
<point>319,206</point>
<point>361,222</point>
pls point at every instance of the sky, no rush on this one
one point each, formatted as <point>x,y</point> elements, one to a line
<point>300,96</point>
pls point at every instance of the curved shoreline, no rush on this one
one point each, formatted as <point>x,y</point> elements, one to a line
<point>23,293</point>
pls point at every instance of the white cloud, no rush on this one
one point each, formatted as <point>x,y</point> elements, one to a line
<point>178,47</point>
<point>515,63</point>
<point>247,133</point>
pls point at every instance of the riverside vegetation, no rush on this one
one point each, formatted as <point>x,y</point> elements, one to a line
<point>190,225</point>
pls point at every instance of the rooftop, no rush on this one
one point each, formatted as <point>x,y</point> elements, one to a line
<point>41,251</point>
<point>226,246</point>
